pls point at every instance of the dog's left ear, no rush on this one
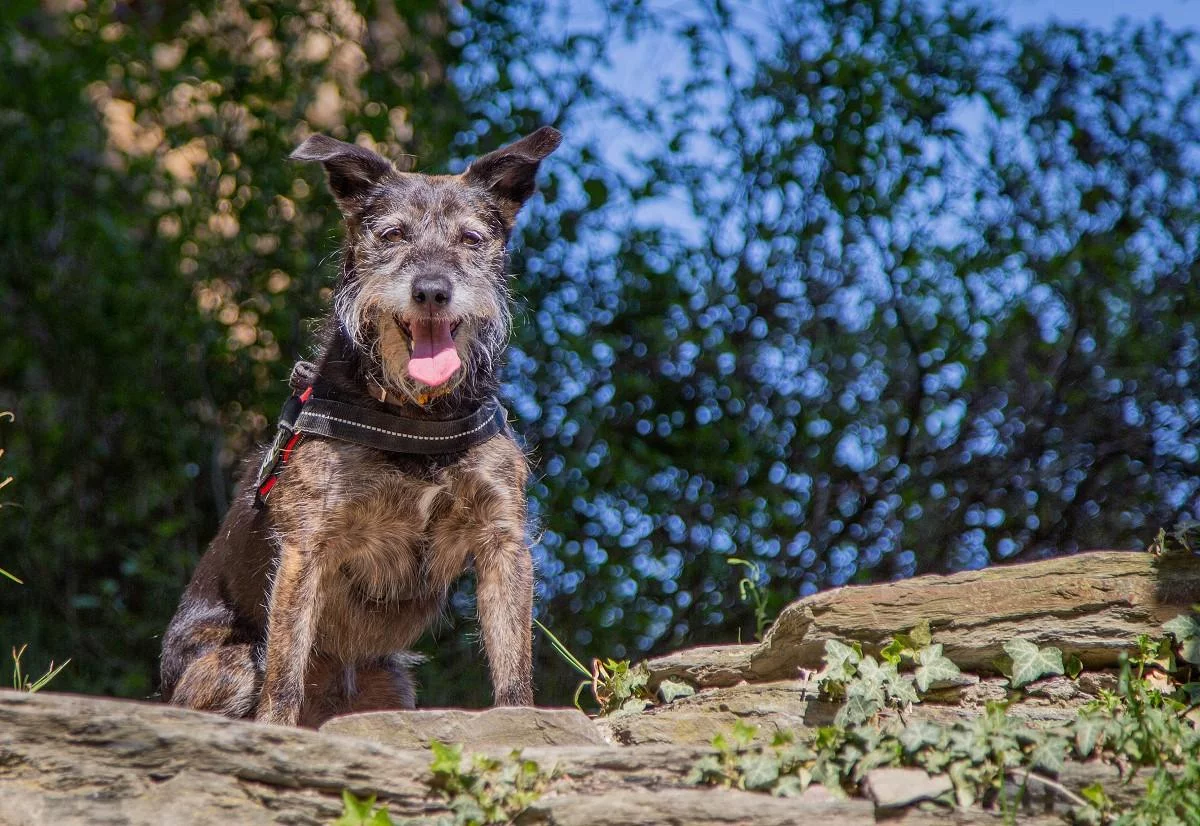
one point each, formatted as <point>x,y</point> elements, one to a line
<point>353,170</point>
<point>509,173</point>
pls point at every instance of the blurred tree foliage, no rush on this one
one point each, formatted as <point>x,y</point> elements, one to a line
<point>855,290</point>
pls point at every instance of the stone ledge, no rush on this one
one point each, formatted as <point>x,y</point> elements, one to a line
<point>494,728</point>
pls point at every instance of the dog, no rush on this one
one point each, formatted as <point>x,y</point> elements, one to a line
<point>335,559</point>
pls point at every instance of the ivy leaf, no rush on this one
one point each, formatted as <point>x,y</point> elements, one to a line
<point>672,690</point>
<point>744,733</point>
<point>356,810</point>
<point>446,759</point>
<point>862,704</point>
<point>921,636</point>
<point>1049,754</point>
<point>899,689</point>
<point>1190,650</point>
<point>1030,662</point>
<point>841,666</point>
<point>633,705</point>
<point>759,770</point>
<point>1095,795</point>
<point>707,769</point>
<point>1182,627</point>
<point>789,786</point>
<point>964,791</point>
<point>839,656</point>
<point>934,667</point>
<point>917,735</point>
<point>1088,730</point>
<point>895,650</point>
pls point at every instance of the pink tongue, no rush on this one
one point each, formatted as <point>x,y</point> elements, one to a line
<point>434,356</point>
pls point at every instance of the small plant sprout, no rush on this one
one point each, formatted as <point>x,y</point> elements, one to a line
<point>22,682</point>
<point>357,812</point>
<point>616,685</point>
<point>569,658</point>
<point>750,590</point>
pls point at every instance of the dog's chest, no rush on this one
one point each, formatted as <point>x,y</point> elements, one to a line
<point>384,542</point>
<point>389,535</point>
<point>389,531</point>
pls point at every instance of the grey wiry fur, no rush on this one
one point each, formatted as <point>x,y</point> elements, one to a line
<point>303,610</point>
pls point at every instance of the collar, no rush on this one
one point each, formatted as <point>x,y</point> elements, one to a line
<point>305,414</point>
<point>380,394</point>
<point>390,432</point>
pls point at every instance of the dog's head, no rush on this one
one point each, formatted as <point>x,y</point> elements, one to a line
<point>424,290</point>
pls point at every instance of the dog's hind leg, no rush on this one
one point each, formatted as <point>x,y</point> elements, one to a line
<point>225,680</point>
<point>205,664</point>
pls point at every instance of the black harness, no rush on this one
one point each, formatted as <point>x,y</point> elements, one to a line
<point>305,414</point>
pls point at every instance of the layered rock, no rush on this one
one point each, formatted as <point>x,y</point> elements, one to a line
<point>68,759</point>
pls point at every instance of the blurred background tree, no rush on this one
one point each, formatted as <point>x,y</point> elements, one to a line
<point>853,290</point>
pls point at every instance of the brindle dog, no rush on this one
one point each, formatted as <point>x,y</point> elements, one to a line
<point>303,609</point>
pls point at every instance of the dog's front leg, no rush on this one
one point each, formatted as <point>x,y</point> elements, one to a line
<point>504,571</point>
<point>292,615</point>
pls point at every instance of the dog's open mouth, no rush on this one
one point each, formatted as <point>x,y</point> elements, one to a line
<point>433,358</point>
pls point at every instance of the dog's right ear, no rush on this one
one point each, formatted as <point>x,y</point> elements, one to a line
<point>352,170</point>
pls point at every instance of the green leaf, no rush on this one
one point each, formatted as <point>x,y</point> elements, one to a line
<point>1183,627</point>
<point>1095,795</point>
<point>838,654</point>
<point>759,770</point>
<point>895,651</point>
<point>1073,666</point>
<point>357,812</point>
<point>933,667</point>
<point>1030,662</point>
<point>625,682</point>
<point>863,701</point>
<point>446,759</point>
<point>705,770</point>
<point>918,734</point>
<point>921,636</point>
<point>790,786</point>
<point>672,690</point>
<point>1049,754</point>
<point>1088,730</point>
<point>634,705</point>
<point>1189,650</point>
<point>744,733</point>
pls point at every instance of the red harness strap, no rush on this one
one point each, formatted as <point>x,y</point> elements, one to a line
<point>265,486</point>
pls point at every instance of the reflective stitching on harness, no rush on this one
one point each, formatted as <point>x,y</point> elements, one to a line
<point>470,432</point>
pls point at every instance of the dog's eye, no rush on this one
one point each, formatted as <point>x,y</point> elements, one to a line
<point>471,238</point>
<point>394,235</point>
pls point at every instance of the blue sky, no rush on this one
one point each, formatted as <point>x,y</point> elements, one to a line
<point>1176,13</point>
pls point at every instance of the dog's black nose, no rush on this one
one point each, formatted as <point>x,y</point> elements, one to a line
<point>435,289</point>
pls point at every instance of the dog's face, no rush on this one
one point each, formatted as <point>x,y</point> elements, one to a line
<point>424,290</point>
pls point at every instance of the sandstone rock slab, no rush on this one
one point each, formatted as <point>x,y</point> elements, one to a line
<point>706,666</point>
<point>493,728</point>
<point>718,807</point>
<point>776,706</point>
<point>1093,605</point>
<point>894,788</point>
